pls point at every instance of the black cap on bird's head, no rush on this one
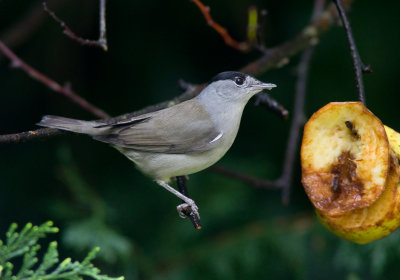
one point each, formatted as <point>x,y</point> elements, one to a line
<point>241,80</point>
<point>229,75</point>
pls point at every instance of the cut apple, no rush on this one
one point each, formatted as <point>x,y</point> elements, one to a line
<point>345,158</point>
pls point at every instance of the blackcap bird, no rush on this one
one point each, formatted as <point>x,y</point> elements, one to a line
<point>181,139</point>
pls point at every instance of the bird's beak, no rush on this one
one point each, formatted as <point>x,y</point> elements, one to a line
<point>260,85</point>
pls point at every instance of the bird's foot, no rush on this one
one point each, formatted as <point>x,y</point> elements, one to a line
<point>189,208</point>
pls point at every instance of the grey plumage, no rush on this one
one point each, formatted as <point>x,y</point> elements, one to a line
<point>68,124</point>
<point>164,131</point>
<point>158,132</point>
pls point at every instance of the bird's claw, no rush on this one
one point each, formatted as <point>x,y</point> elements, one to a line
<point>187,209</point>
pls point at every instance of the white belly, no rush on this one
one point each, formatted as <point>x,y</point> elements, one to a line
<point>165,166</point>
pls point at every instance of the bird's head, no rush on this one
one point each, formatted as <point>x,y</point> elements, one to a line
<point>233,85</point>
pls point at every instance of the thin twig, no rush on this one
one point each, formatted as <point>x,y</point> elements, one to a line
<point>358,66</point>
<point>295,126</point>
<point>298,113</point>
<point>260,32</point>
<point>102,22</point>
<point>265,100</point>
<point>38,134</point>
<point>101,42</point>
<point>181,182</point>
<point>256,182</point>
<point>241,46</point>
<point>64,90</point>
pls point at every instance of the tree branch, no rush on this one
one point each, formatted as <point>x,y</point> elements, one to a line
<point>241,46</point>
<point>181,182</point>
<point>266,101</point>
<point>296,125</point>
<point>256,182</point>
<point>102,25</point>
<point>358,66</point>
<point>64,90</point>
<point>38,134</point>
<point>101,42</point>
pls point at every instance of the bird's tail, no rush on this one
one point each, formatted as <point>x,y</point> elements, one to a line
<point>78,126</point>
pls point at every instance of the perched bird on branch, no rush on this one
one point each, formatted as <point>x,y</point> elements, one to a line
<point>179,140</point>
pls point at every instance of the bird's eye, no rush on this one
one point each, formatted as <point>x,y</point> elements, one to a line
<point>239,81</point>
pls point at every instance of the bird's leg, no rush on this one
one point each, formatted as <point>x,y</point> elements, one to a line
<point>187,201</point>
<point>186,211</point>
<point>183,209</point>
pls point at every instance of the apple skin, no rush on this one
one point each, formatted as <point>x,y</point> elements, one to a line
<point>373,222</point>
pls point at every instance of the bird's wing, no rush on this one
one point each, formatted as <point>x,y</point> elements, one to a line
<point>184,128</point>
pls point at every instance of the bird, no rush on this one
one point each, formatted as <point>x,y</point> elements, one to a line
<point>179,140</point>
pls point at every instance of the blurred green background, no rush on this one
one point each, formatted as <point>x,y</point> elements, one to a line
<point>98,198</point>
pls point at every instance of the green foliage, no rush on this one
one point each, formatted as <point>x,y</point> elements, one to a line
<point>375,256</point>
<point>81,234</point>
<point>25,245</point>
<point>87,233</point>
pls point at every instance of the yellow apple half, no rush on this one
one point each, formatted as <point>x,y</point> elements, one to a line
<point>344,157</point>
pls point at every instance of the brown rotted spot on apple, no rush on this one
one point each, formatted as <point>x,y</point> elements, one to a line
<point>345,182</point>
<point>338,190</point>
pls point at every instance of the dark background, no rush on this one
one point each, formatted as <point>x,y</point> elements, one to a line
<point>97,197</point>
